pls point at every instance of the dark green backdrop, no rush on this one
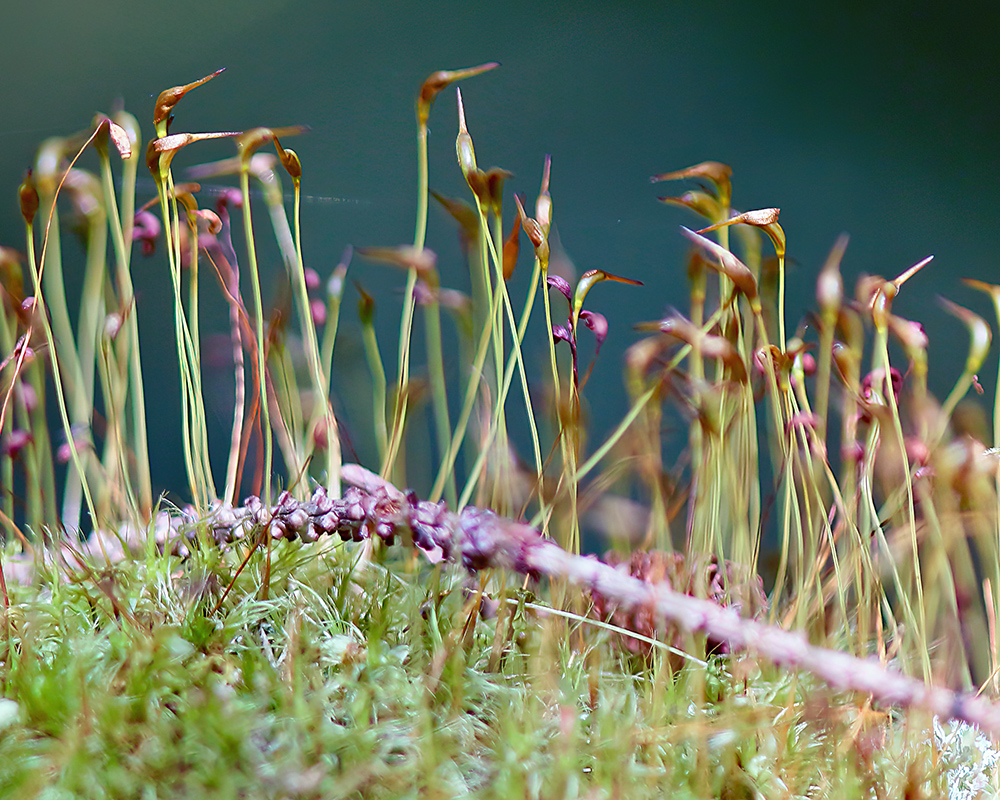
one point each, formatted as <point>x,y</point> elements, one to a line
<point>879,122</point>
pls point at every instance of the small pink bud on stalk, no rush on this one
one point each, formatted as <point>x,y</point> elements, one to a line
<point>598,325</point>
<point>543,205</point>
<point>830,284</point>
<point>28,396</point>
<point>16,441</point>
<point>318,310</point>
<point>208,221</point>
<point>910,334</point>
<point>112,325</point>
<point>146,230</point>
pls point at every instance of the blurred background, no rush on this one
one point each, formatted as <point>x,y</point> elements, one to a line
<point>880,120</point>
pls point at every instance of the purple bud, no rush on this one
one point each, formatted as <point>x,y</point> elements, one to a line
<point>312,279</point>
<point>16,442</point>
<point>423,295</point>
<point>298,518</point>
<point>146,230</point>
<point>562,333</point>
<point>112,325</point>
<point>598,323</point>
<point>479,545</point>
<point>318,310</point>
<point>28,395</point>
<point>560,283</point>
<point>321,500</point>
<point>230,197</point>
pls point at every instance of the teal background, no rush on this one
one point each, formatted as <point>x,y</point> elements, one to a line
<point>875,119</point>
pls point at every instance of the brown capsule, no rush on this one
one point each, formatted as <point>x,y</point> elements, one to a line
<point>495,177</point>
<point>701,203</point>
<point>407,256</point>
<point>531,226</point>
<point>512,248</point>
<point>439,80</point>
<point>290,161</point>
<point>171,97</point>
<point>462,213</point>
<point>463,144</point>
<point>979,331</point>
<point>738,272</point>
<point>27,195</point>
<point>764,218</point>
<point>252,140</point>
<point>718,174</point>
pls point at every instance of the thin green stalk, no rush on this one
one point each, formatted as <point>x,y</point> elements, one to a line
<point>194,439</point>
<point>335,295</point>
<point>92,309</point>
<point>259,324</point>
<point>192,340</point>
<point>79,411</point>
<point>40,427</point>
<point>119,226</point>
<point>513,360</point>
<point>116,447</point>
<point>518,330</point>
<point>406,319</point>
<point>319,376</point>
<point>42,314</point>
<point>448,464</point>
<point>374,359</point>
<point>598,455</point>
<point>439,391</point>
<point>919,619</point>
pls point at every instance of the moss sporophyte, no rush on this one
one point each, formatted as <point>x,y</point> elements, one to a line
<point>810,574</point>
